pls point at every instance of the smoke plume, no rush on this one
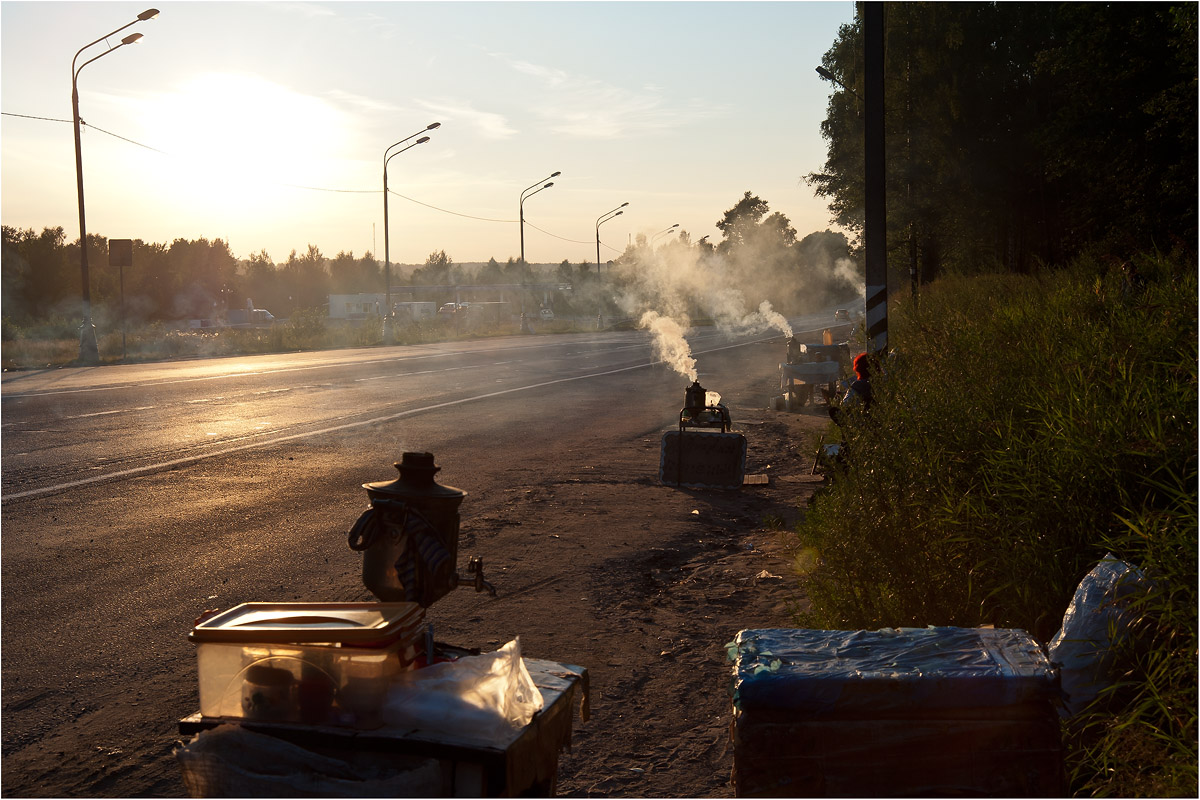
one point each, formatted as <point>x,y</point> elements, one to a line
<point>669,344</point>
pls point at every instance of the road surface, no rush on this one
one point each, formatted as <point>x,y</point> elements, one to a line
<point>134,497</point>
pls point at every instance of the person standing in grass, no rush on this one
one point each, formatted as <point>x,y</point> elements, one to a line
<point>859,393</point>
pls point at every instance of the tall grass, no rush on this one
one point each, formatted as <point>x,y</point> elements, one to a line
<point>1026,426</point>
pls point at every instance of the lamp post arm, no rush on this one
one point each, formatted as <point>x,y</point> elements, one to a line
<point>75,74</point>
<point>149,13</point>
<point>430,127</point>
<point>548,177</point>
<point>101,39</point>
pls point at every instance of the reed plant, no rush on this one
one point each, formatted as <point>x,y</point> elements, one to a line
<point>1025,426</point>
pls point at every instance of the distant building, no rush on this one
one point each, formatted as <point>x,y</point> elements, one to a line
<point>366,304</point>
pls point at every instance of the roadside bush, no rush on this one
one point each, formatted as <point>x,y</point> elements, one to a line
<point>1026,426</point>
<point>305,330</point>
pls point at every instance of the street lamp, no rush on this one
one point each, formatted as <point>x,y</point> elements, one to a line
<point>387,258</point>
<point>605,217</point>
<point>88,352</point>
<point>660,233</point>
<point>522,207</point>
<point>827,75</point>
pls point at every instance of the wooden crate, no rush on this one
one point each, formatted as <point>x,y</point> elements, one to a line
<point>896,713</point>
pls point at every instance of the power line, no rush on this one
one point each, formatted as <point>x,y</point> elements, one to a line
<point>318,188</point>
<point>444,211</point>
<point>28,116</point>
<point>83,123</point>
<point>322,189</point>
<point>555,236</point>
<point>123,139</point>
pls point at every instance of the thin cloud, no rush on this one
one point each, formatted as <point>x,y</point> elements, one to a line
<point>588,108</point>
<point>359,102</point>
<point>384,28</point>
<point>310,10</point>
<point>490,125</point>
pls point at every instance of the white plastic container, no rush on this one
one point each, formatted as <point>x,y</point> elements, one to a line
<point>310,663</point>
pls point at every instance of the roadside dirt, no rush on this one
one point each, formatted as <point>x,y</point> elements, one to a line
<point>648,611</point>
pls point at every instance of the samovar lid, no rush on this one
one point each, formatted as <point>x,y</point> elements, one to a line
<point>415,481</point>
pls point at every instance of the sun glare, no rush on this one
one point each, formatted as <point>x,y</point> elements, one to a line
<point>243,134</point>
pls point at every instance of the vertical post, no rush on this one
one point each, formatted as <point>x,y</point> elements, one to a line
<point>387,266</point>
<point>120,255</point>
<point>875,232</point>
<point>88,351</point>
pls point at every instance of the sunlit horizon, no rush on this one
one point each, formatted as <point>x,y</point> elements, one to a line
<point>265,124</point>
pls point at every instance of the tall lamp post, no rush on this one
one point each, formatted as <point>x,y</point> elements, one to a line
<point>387,257</point>
<point>524,196</point>
<point>527,194</point>
<point>605,217</point>
<point>661,233</point>
<point>88,352</point>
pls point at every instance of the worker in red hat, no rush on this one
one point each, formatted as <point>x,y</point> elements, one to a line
<point>859,393</point>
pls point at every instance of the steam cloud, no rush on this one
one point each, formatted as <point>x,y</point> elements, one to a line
<point>667,289</point>
<point>669,344</point>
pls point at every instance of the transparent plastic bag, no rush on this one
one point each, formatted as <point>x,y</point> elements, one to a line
<point>486,697</point>
<point>231,761</point>
<point>1093,624</point>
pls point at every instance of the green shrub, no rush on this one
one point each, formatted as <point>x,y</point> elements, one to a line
<point>1026,426</point>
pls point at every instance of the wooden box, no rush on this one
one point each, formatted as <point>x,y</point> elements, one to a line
<point>894,713</point>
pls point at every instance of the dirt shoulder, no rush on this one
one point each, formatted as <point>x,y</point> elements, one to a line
<point>644,584</point>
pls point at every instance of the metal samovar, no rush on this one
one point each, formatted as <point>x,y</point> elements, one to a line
<point>794,350</point>
<point>409,536</point>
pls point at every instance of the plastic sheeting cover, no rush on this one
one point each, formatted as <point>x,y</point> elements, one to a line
<point>891,670</point>
<point>1094,623</point>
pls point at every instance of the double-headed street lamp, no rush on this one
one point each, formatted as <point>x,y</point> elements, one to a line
<point>88,352</point>
<point>661,233</point>
<point>605,217</point>
<point>387,258</point>
<point>522,207</point>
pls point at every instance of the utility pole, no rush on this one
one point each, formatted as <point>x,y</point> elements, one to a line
<point>875,228</point>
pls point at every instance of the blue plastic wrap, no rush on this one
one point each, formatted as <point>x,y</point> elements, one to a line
<point>1094,623</point>
<point>890,672</point>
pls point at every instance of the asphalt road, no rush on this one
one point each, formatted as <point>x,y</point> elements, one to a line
<point>135,496</point>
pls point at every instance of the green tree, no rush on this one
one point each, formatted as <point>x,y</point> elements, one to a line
<point>739,223</point>
<point>37,273</point>
<point>1020,132</point>
<point>490,273</point>
<point>435,272</point>
<point>307,279</point>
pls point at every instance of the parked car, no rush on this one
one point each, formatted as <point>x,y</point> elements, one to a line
<point>546,314</point>
<point>841,315</point>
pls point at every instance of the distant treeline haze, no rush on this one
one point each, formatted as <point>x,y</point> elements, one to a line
<point>197,279</point>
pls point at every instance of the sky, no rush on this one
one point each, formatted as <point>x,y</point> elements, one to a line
<point>265,124</point>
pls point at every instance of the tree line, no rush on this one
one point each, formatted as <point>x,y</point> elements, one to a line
<point>1019,133</point>
<point>201,278</point>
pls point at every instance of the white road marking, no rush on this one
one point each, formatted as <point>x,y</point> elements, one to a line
<point>345,426</point>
